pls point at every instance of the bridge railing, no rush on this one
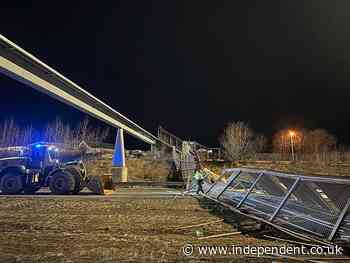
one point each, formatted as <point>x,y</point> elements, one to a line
<point>205,153</point>
<point>169,138</point>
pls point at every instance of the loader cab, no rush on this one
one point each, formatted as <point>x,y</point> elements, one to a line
<point>43,155</point>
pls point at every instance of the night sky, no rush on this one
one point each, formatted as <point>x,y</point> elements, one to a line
<point>190,66</point>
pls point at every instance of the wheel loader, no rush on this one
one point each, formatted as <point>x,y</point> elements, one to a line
<point>39,166</point>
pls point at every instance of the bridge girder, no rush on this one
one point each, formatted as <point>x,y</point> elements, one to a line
<point>24,67</point>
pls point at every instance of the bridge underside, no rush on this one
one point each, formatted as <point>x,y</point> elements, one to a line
<point>24,67</point>
<point>20,65</point>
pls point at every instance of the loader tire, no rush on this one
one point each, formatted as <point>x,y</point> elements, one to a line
<point>95,185</point>
<point>11,183</point>
<point>77,178</point>
<point>62,182</point>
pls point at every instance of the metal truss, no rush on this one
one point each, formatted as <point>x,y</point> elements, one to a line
<point>310,207</point>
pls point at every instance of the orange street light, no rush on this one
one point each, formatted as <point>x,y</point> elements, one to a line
<point>292,134</point>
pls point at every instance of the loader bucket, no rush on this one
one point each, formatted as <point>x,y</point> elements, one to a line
<point>95,185</point>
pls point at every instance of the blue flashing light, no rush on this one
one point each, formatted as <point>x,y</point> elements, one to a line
<point>38,145</point>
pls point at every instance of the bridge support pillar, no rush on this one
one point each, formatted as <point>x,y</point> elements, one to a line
<point>119,170</point>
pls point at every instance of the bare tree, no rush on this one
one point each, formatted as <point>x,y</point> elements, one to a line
<point>287,141</point>
<point>12,134</point>
<point>237,141</point>
<point>60,132</point>
<point>82,129</point>
<point>314,144</point>
<point>320,143</point>
<point>280,143</point>
<point>260,143</point>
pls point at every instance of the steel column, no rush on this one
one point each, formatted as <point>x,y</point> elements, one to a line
<point>339,221</point>
<point>250,190</point>
<point>212,186</point>
<point>284,199</point>
<point>229,184</point>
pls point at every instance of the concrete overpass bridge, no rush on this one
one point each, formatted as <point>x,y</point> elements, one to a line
<point>22,66</point>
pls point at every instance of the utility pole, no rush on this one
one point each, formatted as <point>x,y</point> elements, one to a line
<point>291,135</point>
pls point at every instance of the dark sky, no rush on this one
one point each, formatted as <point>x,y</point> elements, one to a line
<point>190,66</point>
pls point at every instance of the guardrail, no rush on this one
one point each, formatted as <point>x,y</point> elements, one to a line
<point>171,140</point>
<point>315,208</point>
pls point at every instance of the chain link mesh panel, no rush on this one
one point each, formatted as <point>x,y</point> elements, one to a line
<point>315,207</point>
<point>267,195</point>
<point>311,206</point>
<point>238,188</point>
<point>213,189</point>
<point>344,230</point>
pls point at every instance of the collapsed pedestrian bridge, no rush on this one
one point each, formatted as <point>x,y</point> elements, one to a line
<point>309,207</point>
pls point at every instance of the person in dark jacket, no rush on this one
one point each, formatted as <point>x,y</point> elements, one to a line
<point>198,176</point>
